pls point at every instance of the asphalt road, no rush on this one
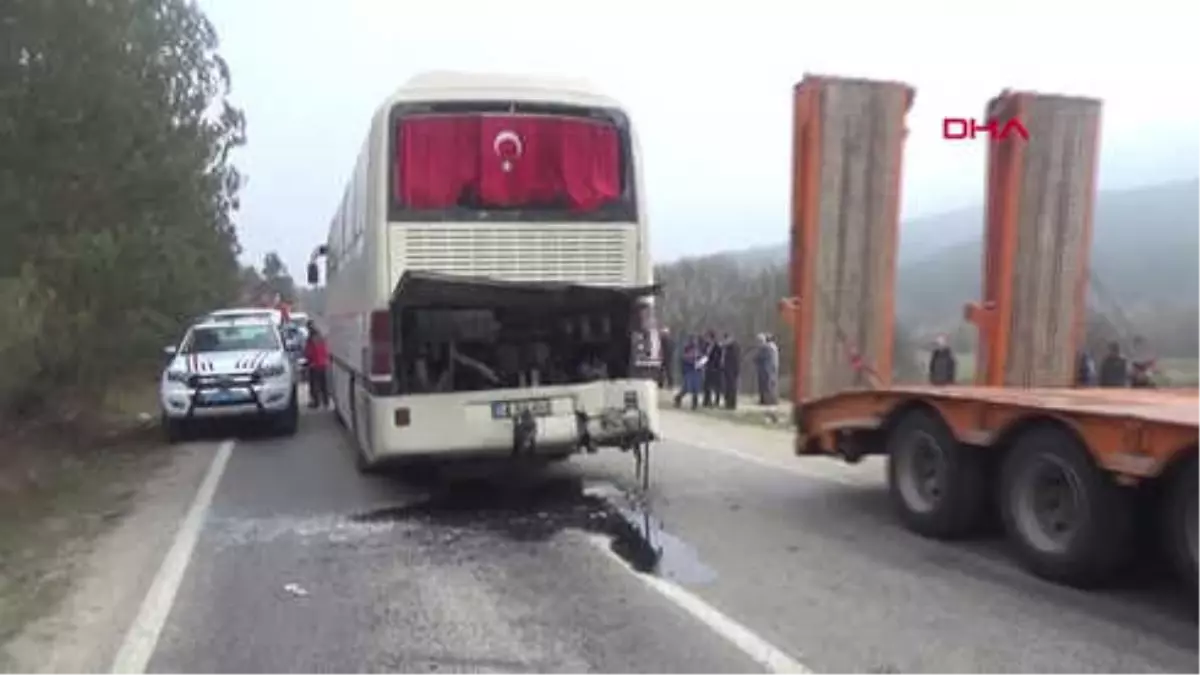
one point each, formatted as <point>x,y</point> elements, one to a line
<point>300,564</point>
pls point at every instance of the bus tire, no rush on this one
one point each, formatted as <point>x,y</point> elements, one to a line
<point>1179,516</point>
<point>937,485</point>
<point>1067,519</point>
<point>362,463</point>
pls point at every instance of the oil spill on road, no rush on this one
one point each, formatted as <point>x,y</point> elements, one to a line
<point>539,511</point>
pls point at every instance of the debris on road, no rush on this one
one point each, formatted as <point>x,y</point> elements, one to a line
<point>295,590</point>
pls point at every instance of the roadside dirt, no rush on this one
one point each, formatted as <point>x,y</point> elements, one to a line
<point>80,546</point>
<point>770,446</point>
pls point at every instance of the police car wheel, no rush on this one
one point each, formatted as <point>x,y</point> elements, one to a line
<point>288,421</point>
<point>174,430</point>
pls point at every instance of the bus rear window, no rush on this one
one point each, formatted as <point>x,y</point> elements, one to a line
<point>524,163</point>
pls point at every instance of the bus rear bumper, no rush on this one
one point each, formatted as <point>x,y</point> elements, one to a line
<point>560,420</point>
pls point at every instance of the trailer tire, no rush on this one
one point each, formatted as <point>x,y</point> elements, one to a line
<point>1179,516</point>
<point>936,484</point>
<point>1078,530</point>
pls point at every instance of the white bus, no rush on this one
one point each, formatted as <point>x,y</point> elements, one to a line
<point>488,276</point>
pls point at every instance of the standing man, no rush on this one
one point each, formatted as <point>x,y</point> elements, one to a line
<point>761,361</point>
<point>943,367</point>
<point>317,353</point>
<point>1114,369</point>
<point>689,367</point>
<point>732,369</point>
<point>712,371</point>
<point>666,377</point>
<point>772,370</point>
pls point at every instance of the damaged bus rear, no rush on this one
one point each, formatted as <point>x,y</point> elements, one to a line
<point>488,284</point>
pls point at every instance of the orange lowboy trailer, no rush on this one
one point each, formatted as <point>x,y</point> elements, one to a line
<point>1073,473</point>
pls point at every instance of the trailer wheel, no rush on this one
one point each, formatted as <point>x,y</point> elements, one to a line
<point>936,484</point>
<point>1066,517</point>
<point>1180,519</point>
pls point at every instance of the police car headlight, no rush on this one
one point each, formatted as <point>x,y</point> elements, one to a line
<point>273,370</point>
<point>178,376</point>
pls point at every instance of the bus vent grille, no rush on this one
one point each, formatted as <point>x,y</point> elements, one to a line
<point>599,254</point>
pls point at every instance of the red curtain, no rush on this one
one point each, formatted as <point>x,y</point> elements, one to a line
<point>590,161</point>
<point>437,159</point>
<point>518,166</point>
<point>508,161</point>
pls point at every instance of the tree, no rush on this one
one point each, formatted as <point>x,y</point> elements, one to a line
<point>116,185</point>
<point>276,279</point>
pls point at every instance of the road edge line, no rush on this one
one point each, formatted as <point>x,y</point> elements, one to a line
<point>142,637</point>
<point>749,643</point>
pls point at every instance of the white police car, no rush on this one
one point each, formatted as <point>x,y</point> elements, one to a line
<point>229,368</point>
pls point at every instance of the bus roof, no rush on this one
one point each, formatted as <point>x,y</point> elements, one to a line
<point>445,85</point>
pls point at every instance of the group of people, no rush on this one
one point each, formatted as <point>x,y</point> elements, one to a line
<point>1116,369</point>
<point>711,367</point>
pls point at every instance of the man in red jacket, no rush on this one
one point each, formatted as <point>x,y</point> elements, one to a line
<point>316,351</point>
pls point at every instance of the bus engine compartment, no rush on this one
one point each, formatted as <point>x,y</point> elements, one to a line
<point>457,334</point>
<point>558,367</point>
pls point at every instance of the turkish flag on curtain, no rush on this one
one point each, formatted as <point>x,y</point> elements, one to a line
<point>590,161</point>
<point>438,158</point>
<point>518,160</point>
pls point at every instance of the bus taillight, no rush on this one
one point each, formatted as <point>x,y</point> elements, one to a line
<point>380,339</point>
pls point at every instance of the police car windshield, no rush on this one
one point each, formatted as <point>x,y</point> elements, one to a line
<point>206,339</point>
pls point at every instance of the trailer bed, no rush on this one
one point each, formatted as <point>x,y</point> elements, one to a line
<point>1129,431</point>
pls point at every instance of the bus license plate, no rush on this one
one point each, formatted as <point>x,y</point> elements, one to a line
<point>506,409</point>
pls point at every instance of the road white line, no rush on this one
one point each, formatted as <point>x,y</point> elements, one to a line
<point>142,638</point>
<point>775,660</point>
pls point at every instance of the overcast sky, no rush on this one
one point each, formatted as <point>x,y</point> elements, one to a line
<point>710,92</point>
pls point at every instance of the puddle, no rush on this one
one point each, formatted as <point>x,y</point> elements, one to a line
<point>539,511</point>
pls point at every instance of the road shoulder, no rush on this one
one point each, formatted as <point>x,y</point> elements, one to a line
<point>104,570</point>
<point>772,448</point>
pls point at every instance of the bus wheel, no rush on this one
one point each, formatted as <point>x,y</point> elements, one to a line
<point>1179,515</point>
<point>1067,519</point>
<point>936,484</point>
<point>364,464</point>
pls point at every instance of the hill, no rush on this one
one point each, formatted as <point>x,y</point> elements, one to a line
<point>1144,254</point>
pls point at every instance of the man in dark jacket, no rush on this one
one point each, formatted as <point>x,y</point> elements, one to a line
<point>731,362</point>
<point>943,366</point>
<point>1114,369</point>
<point>712,371</point>
<point>666,377</point>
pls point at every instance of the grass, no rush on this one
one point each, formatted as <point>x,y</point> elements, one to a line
<point>67,491</point>
<point>748,412</point>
